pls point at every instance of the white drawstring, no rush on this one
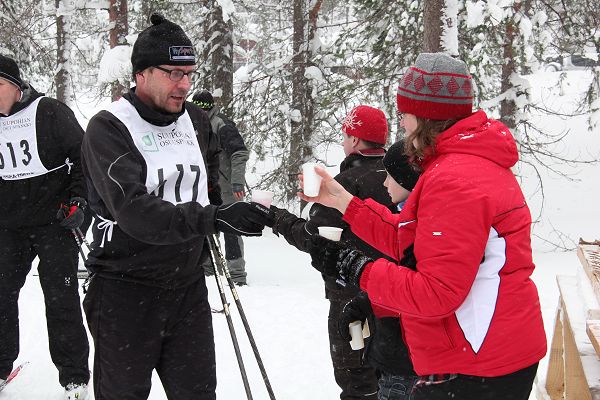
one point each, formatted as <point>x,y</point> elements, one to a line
<point>107,226</point>
<point>68,163</point>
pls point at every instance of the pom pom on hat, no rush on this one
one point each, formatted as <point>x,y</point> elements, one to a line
<point>162,43</point>
<point>437,87</point>
<point>367,123</point>
<point>9,70</point>
<point>397,164</point>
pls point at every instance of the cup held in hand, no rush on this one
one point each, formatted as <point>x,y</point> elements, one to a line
<point>356,333</point>
<point>312,180</point>
<point>331,232</point>
<point>263,197</point>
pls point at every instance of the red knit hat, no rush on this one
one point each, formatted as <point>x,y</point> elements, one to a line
<point>366,123</point>
<point>437,87</point>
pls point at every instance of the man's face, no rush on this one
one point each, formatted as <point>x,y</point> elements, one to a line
<point>9,95</point>
<point>349,143</point>
<point>157,90</point>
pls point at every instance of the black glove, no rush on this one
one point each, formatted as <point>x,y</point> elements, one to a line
<point>351,265</point>
<point>357,309</point>
<point>238,188</point>
<point>324,254</point>
<point>241,218</point>
<point>408,259</point>
<point>280,215</point>
<point>71,215</point>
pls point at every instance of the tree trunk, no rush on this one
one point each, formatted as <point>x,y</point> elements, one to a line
<point>117,14</point>
<point>222,57</point>
<point>62,77</point>
<point>432,25</point>
<point>509,67</point>
<point>296,155</point>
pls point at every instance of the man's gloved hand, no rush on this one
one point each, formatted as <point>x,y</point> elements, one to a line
<point>279,215</point>
<point>238,191</point>
<point>357,309</point>
<point>241,218</point>
<point>71,215</point>
<point>351,265</point>
<point>324,254</point>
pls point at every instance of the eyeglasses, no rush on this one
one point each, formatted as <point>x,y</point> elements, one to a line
<point>176,74</point>
<point>400,116</point>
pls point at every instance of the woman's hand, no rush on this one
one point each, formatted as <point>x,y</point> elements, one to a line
<point>331,193</point>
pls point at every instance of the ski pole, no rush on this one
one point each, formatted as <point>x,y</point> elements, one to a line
<point>236,346</point>
<point>78,240</point>
<point>216,248</point>
<point>83,239</point>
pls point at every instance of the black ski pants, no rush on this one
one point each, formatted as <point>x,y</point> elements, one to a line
<point>356,380</point>
<point>138,329</point>
<point>515,386</point>
<point>58,254</point>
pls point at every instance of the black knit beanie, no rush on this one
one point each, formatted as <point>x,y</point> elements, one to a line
<point>397,165</point>
<point>204,100</point>
<point>162,43</point>
<point>9,70</point>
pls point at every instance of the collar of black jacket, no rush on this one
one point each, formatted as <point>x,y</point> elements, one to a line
<point>357,159</point>
<point>148,114</point>
<point>29,95</point>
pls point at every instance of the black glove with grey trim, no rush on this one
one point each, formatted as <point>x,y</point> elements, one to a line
<point>241,218</point>
<point>351,264</point>
<point>357,309</point>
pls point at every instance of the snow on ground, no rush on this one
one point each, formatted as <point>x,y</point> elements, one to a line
<point>284,300</point>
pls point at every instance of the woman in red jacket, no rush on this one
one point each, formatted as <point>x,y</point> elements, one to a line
<point>470,312</point>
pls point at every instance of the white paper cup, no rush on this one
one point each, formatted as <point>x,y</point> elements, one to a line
<point>331,233</point>
<point>365,330</point>
<point>263,197</point>
<point>356,333</point>
<point>312,181</point>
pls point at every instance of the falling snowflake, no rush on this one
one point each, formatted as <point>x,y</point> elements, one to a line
<point>350,122</point>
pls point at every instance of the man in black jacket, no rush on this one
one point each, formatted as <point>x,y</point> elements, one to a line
<point>365,131</point>
<point>41,179</point>
<point>151,164</point>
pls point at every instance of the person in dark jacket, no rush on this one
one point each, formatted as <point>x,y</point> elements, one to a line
<point>364,133</point>
<point>232,178</point>
<point>151,164</point>
<point>41,177</point>
<point>386,350</point>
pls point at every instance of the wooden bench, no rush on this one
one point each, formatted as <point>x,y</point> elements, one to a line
<point>574,364</point>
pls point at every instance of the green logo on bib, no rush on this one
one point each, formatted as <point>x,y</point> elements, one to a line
<point>149,143</point>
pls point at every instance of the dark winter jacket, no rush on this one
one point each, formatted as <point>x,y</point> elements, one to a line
<point>233,156</point>
<point>35,201</point>
<point>363,176</point>
<point>153,241</point>
<point>386,350</point>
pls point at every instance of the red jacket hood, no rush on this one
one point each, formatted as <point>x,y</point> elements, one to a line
<point>480,136</point>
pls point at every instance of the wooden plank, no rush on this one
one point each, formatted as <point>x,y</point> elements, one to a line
<point>576,385</point>
<point>581,369</point>
<point>592,327</point>
<point>589,255</point>
<point>555,377</point>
